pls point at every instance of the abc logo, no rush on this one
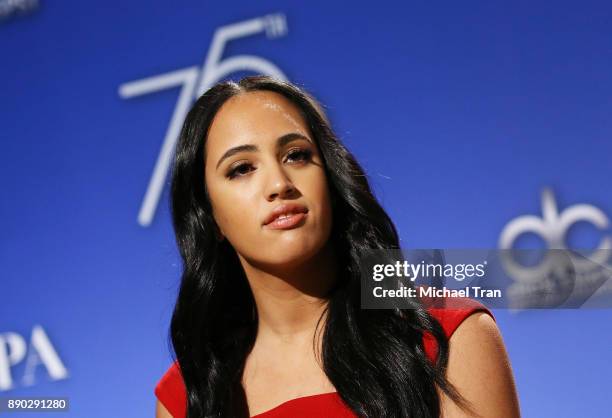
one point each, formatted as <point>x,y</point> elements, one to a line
<point>552,227</point>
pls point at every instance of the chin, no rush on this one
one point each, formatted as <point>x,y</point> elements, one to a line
<point>292,252</point>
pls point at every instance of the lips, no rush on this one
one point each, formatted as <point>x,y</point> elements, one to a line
<point>284,210</point>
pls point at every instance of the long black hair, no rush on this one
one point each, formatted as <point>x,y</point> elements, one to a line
<point>374,358</point>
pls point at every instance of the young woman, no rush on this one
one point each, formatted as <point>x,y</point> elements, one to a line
<point>271,214</point>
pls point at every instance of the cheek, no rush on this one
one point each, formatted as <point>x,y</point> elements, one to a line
<point>234,212</point>
<point>328,209</point>
<point>322,199</point>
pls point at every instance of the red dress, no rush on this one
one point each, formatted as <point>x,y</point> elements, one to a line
<point>171,391</point>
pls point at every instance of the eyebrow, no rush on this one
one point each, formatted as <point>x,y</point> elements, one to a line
<point>280,142</point>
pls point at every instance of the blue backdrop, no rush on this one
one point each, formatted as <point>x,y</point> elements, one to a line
<point>462,114</point>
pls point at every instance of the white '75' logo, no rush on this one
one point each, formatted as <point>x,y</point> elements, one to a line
<point>195,81</point>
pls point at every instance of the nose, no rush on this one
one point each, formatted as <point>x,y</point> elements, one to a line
<point>278,185</point>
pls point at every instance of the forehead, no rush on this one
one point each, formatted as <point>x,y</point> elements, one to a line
<point>253,117</point>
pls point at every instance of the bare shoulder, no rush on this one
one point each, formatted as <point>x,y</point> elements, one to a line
<point>161,411</point>
<point>479,368</point>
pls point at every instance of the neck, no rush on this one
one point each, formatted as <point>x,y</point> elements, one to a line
<point>290,301</point>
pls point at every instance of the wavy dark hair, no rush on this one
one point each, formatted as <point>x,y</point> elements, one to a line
<point>374,358</point>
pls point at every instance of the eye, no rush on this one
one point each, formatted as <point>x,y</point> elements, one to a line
<point>239,171</point>
<point>299,154</point>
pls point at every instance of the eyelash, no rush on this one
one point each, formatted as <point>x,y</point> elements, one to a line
<point>307,154</point>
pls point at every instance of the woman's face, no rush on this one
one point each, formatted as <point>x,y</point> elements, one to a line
<point>261,155</point>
